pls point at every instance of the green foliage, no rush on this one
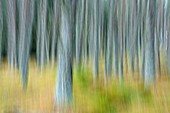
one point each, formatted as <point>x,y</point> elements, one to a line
<point>82,78</point>
<point>111,98</point>
<point>145,95</point>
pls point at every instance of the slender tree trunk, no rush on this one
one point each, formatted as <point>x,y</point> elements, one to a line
<point>105,39</point>
<point>110,37</point>
<point>42,52</point>
<point>1,28</point>
<point>149,51</point>
<point>79,32</point>
<point>64,81</point>
<point>116,42</point>
<point>55,32</point>
<point>26,14</point>
<point>168,36</point>
<point>96,41</point>
<point>120,36</point>
<point>11,38</point>
<point>132,36</point>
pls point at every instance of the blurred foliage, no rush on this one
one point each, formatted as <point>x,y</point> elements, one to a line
<point>99,98</point>
<point>89,97</point>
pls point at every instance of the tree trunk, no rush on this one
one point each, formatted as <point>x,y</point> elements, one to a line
<point>26,14</point>
<point>1,28</point>
<point>11,38</point>
<point>64,76</point>
<point>149,51</point>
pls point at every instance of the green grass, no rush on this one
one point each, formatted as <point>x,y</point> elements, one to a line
<point>89,97</point>
<point>100,98</point>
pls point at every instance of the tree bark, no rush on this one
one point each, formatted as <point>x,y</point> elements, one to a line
<point>64,81</point>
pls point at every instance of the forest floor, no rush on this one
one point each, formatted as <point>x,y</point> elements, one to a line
<point>89,97</point>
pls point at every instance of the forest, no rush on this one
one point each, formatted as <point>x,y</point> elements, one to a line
<point>84,56</point>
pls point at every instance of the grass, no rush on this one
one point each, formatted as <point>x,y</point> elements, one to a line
<point>105,98</point>
<point>100,97</point>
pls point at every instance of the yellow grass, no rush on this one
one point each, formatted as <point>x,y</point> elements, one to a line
<point>88,97</point>
<point>37,99</point>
